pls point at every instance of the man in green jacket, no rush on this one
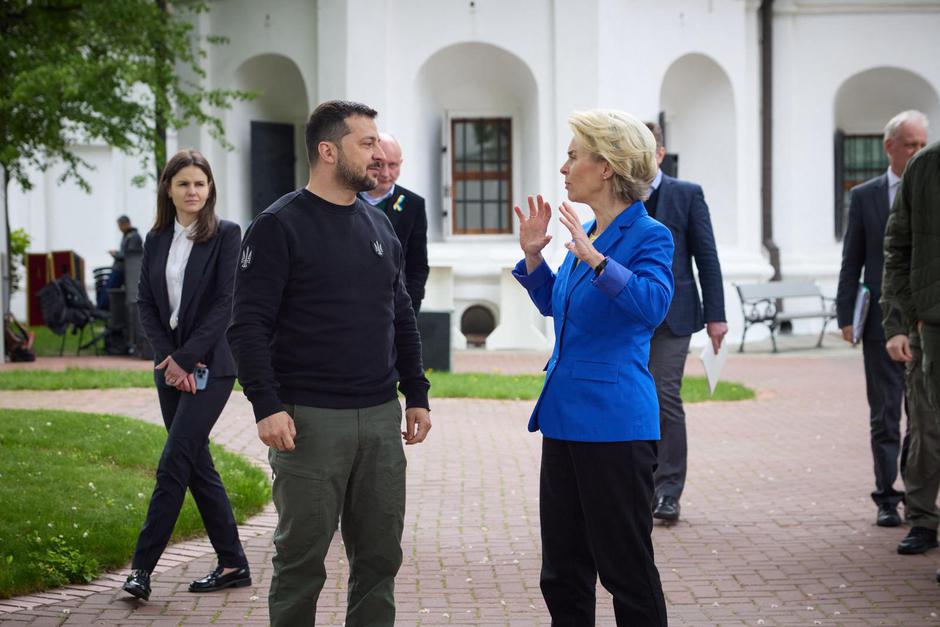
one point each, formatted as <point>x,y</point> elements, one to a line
<point>910,300</point>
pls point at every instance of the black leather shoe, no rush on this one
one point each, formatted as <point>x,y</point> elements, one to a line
<point>918,540</point>
<point>217,581</point>
<point>938,576</point>
<point>887,516</point>
<point>667,508</point>
<point>138,584</point>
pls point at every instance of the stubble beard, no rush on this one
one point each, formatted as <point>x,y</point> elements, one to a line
<point>351,179</point>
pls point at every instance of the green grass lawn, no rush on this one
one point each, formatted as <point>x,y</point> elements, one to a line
<point>443,384</point>
<point>46,343</point>
<point>74,490</point>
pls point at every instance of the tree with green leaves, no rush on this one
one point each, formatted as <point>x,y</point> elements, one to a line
<point>118,72</point>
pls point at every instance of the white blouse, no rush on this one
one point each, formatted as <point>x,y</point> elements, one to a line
<point>176,268</point>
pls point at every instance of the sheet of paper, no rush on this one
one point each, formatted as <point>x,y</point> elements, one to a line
<point>714,363</point>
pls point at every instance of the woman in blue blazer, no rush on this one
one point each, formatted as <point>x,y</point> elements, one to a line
<point>185,305</point>
<point>598,412</point>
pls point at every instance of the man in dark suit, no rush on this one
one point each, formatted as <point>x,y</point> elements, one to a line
<point>130,243</point>
<point>863,246</point>
<point>680,205</point>
<point>405,209</point>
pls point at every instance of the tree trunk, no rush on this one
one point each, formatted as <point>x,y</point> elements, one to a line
<point>159,96</point>
<point>5,253</point>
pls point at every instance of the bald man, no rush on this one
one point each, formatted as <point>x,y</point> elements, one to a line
<point>405,210</point>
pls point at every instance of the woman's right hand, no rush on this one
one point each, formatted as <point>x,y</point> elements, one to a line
<point>532,230</point>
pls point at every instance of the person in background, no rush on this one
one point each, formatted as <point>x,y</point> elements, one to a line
<point>597,411</point>
<point>185,302</point>
<point>863,247</point>
<point>680,205</point>
<point>405,210</point>
<point>130,243</point>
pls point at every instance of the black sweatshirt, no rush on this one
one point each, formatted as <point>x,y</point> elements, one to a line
<point>321,316</point>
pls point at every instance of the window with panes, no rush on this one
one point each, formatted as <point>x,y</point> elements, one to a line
<point>858,159</point>
<point>481,172</point>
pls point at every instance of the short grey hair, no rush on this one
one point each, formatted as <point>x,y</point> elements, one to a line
<point>904,117</point>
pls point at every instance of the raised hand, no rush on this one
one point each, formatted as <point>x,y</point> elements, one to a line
<point>533,229</point>
<point>580,245</point>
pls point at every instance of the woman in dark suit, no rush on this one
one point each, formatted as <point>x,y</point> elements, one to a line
<point>185,304</point>
<point>598,411</point>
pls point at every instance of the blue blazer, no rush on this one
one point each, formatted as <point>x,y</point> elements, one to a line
<point>682,208</point>
<point>597,384</point>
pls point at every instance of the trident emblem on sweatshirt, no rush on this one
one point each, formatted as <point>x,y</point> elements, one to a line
<point>247,256</point>
<point>377,248</point>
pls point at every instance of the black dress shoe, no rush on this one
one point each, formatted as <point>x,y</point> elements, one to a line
<point>138,584</point>
<point>667,508</point>
<point>887,516</point>
<point>918,540</point>
<point>217,581</point>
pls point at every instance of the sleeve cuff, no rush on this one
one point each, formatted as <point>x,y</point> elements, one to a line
<point>613,279</point>
<point>415,396</point>
<point>184,361</point>
<point>266,404</point>
<point>538,277</point>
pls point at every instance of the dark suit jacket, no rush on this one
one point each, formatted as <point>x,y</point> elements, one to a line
<point>205,306</point>
<point>682,208</point>
<point>410,222</point>
<point>863,246</point>
<point>130,243</point>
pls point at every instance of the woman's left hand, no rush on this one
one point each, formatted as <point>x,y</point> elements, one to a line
<point>580,245</point>
<point>175,376</point>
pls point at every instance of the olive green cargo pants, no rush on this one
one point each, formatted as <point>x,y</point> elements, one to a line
<point>348,466</point>
<point>922,474</point>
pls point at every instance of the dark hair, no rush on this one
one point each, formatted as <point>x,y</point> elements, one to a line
<point>657,133</point>
<point>123,220</point>
<point>328,123</point>
<point>207,223</point>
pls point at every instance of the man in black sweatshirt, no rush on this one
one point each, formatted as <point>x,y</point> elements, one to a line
<point>322,330</point>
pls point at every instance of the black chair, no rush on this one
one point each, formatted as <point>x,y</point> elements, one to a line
<point>65,305</point>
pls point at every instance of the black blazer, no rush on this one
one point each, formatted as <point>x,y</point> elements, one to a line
<point>863,246</point>
<point>681,207</point>
<point>205,305</point>
<point>410,222</point>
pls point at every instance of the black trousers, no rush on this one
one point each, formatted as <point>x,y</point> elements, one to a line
<point>596,520</point>
<point>186,462</point>
<point>884,383</point>
<point>668,353</point>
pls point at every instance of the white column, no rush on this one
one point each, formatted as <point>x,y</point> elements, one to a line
<point>516,328</point>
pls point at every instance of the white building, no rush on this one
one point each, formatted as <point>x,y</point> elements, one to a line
<point>515,69</point>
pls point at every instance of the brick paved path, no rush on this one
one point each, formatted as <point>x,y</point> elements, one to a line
<point>777,524</point>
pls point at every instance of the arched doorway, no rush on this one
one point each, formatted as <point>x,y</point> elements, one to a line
<point>475,90</point>
<point>862,106</point>
<point>698,102</point>
<point>269,157</point>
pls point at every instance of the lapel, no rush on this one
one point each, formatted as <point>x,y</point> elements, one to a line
<point>881,198</point>
<point>158,273</point>
<point>604,243</point>
<point>195,271</point>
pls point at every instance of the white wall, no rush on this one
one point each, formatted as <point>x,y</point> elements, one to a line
<point>820,46</point>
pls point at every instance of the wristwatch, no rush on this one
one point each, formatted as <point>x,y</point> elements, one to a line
<point>600,267</point>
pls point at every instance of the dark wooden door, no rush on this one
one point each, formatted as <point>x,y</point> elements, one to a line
<point>272,163</point>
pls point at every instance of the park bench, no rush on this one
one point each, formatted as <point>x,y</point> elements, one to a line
<point>760,304</point>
